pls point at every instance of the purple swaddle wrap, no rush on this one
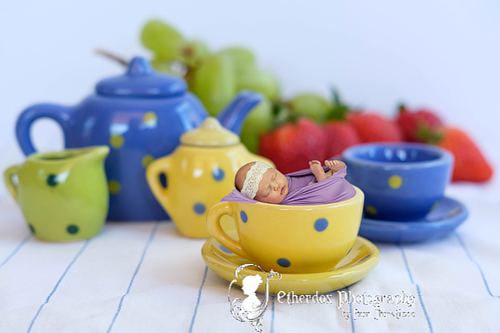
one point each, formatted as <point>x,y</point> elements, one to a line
<point>304,190</point>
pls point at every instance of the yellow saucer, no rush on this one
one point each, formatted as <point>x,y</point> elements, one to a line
<point>360,261</point>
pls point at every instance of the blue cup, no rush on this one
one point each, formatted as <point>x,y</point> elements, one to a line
<point>401,181</point>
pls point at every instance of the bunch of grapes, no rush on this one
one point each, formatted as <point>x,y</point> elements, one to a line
<point>214,77</point>
<point>276,128</point>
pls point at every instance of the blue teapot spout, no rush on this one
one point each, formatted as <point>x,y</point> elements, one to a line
<point>234,115</point>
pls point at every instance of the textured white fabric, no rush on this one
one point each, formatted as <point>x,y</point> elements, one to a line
<point>145,277</point>
<point>253,179</point>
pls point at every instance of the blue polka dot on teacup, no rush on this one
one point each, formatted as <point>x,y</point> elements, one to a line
<point>218,174</point>
<point>243,216</point>
<point>283,262</point>
<point>321,224</point>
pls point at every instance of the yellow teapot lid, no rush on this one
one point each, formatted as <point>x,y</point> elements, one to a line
<point>210,134</point>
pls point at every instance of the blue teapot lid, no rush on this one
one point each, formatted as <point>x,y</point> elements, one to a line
<point>141,80</point>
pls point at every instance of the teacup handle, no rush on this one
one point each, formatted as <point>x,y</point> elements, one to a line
<point>153,172</point>
<point>215,229</point>
<point>11,186</point>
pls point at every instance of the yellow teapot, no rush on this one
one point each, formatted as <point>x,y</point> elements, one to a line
<point>198,174</point>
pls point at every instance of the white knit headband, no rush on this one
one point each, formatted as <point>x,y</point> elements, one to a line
<point>252,181</point>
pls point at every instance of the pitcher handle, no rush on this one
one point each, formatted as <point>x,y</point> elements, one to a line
<point>153,172</point>
<point>11,186</point>
<point>215,229</point>
<point>61,114</point>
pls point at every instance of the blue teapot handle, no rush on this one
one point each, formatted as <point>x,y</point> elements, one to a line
<point>61,114</point>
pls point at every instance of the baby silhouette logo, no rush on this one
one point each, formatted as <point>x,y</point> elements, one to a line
<point>251,309</point>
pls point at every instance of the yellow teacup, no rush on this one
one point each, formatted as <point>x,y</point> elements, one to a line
<point>290,239</point>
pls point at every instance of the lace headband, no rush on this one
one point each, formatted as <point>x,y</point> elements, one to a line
<point>252,181</point>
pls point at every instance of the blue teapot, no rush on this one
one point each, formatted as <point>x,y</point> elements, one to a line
<point>140,115</point>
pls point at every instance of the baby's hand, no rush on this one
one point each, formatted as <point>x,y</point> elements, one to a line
<point>334,165</point>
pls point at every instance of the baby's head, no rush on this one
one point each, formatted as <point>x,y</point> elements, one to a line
<point>259,181</point>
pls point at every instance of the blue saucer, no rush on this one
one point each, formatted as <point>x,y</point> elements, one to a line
<point>441,220</point>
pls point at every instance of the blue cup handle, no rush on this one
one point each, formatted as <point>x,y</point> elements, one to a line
<point>61,114</point>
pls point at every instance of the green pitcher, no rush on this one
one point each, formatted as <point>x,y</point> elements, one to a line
<point>63,195</point>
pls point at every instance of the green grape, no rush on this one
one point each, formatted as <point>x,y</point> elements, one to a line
<point>309,105</point>
<point>214,82</point>
<point>260,81</point>
<point>163,39</point>
<point>258,122</point>
<point>194,52</point>
<point>163,66</point>
<point>169,67</point>
<point>243,58</point>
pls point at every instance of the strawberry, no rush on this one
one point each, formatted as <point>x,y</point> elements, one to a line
<point>340,135</point>
<point>420,125</point>
<point>372,127</point>
<point>470,164</point>
<point>292,145</point>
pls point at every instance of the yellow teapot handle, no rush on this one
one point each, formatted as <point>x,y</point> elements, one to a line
<point>11,186</point>
<point>215,229</point>
<point>153,172</point>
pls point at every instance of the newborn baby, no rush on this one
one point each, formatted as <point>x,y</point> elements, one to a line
<point>257,181</point>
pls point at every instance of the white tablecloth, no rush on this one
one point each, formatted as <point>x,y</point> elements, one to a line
<point>146,277</point>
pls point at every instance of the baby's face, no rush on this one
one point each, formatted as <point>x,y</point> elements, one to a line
<point>273,187</point>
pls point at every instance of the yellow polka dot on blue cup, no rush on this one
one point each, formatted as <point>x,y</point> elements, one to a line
<point>371,210</point>
<point>395,182</point>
